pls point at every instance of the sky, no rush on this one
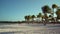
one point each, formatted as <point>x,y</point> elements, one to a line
<point>15,10</point>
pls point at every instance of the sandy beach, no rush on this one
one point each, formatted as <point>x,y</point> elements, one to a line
<point>29,29</point>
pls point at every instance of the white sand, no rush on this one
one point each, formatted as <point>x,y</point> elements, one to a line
<point>29,29</point>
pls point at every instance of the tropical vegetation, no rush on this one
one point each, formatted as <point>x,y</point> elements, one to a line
<point>45,18</point>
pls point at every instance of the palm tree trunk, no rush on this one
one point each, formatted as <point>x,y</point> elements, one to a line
<point>45,19</point>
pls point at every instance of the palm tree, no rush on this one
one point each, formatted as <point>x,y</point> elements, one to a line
<point>43,18</point>
<point>39,15</point>
<point>53,7</point>
<point>33,16</point>
<point>25,18</point>
<point>28,17</point>
<point>46,17</point>
<point>58,14</point>
<point>46,9</point>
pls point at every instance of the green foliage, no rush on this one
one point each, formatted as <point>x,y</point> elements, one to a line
<point>54,6</point>
<point>46,9</point>
<point>33,16</point>
<point>58,13</point>
<point>39,15</point>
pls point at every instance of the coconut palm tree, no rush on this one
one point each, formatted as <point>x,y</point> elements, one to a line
<point>25,18</point>
<point>46,17</point>
<point>39,15</point>
<point>46,9</point>
<point>33,16</point>
<point>58,14</point>
<point>53,7</point>
<point>42,17</point>
<point>28,17</point>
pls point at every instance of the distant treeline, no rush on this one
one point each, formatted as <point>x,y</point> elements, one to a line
<point>28,22</point>
<point>10,22</point>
